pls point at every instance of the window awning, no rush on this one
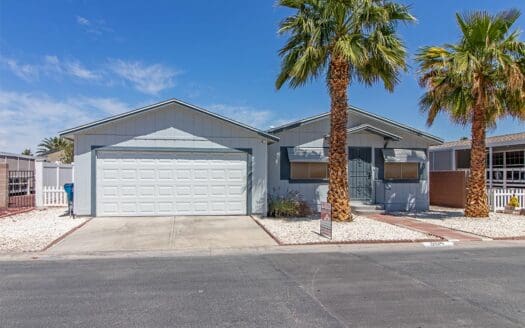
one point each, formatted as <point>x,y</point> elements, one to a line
<point>308,155</point>
<point>396,155</point>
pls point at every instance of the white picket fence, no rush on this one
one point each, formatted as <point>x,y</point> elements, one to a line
<point>54,196</point>
<point>499,198</point>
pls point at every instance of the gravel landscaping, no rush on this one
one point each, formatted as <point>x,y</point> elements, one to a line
<point>306,230</point>
<point>498,225</point>
<point>34,230</point>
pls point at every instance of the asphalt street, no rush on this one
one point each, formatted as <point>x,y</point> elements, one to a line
<point>410,288</point>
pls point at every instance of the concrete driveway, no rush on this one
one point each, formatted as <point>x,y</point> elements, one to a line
<point>164,233</point>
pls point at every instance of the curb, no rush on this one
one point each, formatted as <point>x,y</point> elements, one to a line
<point>347,242</point>
<point>59,239</point>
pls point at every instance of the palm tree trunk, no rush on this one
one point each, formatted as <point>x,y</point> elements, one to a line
<point>477,205</point>
<point>338,80</point>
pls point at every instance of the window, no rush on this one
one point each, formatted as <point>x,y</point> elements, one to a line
<point>497,160</point>
<point>309,171</point>
<point>463,159</point>
<point>401,171</point>
<point>514,159</point>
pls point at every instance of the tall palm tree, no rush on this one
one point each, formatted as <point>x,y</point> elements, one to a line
<point>476,81</point>
<point>344,40</point>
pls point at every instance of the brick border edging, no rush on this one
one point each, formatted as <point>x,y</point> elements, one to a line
<point>509,238</point>
<point>346,242</point>
<point>19,212</point>
<point>277,240</point>
<point>59,239</point>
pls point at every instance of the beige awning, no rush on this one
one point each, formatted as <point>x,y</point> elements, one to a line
<point>396,155</point>
<point>308,155</point>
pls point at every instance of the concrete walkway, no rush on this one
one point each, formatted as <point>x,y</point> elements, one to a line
<point>164,233</point>
<point>433,229</point>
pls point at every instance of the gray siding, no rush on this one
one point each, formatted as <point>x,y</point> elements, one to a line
<point>169,126</point>
<point>312,135</point>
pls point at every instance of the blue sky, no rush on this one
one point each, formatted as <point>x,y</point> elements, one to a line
<point>63,63</point>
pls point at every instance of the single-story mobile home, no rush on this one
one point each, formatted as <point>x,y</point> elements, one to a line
<point>173,158</point>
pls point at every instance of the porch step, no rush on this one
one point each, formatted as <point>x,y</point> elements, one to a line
<point>366,209</point>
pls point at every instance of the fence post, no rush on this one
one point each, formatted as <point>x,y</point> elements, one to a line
<point>39,182</point>
<point>4,185</point>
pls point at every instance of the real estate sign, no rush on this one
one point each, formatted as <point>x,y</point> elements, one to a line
<point>326,220</point>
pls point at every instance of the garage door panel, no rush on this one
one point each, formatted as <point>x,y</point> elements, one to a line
<point>131,184</point>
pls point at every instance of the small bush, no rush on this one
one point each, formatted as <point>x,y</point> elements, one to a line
<point>289,205</point>
<point>513,201</point>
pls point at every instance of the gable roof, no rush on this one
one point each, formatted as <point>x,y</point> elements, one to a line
<point>501,140</point>
<point>359,111</point>
<point>373,129</point>
<point>72,131</point>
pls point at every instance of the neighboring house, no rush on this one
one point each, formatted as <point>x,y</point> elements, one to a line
<point>54,156</point>
<point>17,162</point>
<point>505,159</point>
<point>387,161</point>
<point>173,158</point>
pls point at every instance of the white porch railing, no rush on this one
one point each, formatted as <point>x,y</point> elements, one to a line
<point>54,196</point>
<point>499,198</point>
<point>506,177</point>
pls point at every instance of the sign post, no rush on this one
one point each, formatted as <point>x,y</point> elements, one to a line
<point>326,220</point>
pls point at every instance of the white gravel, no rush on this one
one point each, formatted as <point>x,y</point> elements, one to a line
<point>34,230</point>
<point>497,225</point>
<point>306,230</point>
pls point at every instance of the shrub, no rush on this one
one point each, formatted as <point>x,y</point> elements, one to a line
<point>513,201</point>
<point>289,205</point>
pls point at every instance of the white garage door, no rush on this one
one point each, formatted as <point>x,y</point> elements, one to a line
<point>182,183</point>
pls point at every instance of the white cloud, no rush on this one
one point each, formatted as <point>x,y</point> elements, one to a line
<point>262,119</point>
<point>83,21</point>
<point>149,79</point>
<point>97,27</point>
<point>27,118</point>
<point>77,70</point>
<point>24,71</point>
<point>50,66</point>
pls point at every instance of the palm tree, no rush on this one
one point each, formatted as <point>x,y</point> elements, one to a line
<point>27,152</point>
<point>53,144</point>
<point>344,40</point>
<point>476,81</point>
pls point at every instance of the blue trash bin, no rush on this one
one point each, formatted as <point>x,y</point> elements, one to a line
<point>68,187</point>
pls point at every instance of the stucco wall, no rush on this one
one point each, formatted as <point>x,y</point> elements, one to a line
<point>168,126</point>
<point>312,135</point>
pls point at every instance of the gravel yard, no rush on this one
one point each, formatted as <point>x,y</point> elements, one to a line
<point>34,230</point>
<point>306,230</point>
<point>498,225</point>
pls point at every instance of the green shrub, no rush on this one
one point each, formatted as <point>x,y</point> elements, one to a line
<point>289,205</point>
<point>513,201</point>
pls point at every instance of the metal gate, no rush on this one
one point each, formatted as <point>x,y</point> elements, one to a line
<point>21,189</point>
<point>360,173</point>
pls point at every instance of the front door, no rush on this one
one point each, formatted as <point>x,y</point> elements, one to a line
<point>360,173</point>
